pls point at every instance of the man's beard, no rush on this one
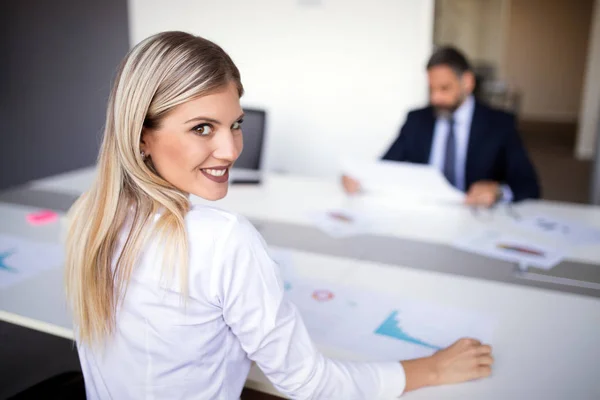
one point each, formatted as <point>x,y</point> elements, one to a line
<point>447,111</point>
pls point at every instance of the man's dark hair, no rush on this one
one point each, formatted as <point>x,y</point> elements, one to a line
<point>450,57</point>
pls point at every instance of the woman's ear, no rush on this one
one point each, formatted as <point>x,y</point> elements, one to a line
<point>144,147</point>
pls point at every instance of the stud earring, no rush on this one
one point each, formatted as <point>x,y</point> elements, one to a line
<point>143,154</point>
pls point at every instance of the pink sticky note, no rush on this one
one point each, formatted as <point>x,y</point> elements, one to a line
<point>42,217</point>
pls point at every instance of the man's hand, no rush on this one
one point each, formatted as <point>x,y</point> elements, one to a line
<point>483,193</point>
<point>351,186</point>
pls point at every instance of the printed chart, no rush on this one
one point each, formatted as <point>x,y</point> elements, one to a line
<point>377,327</point>
<point>22,259</point>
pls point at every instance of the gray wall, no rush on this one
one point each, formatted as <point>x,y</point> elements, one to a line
<point>57,61</point>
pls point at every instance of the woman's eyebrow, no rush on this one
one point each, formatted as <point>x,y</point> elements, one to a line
<point>211,120</point>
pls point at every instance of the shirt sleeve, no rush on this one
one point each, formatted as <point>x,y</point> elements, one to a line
<point>272,333</point>
<point>507,194</point>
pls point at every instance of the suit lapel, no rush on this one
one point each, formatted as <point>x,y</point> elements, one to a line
<point>476,136</point>
<point>428,131</point>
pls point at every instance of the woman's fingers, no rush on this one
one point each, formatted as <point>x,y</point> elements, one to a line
<point>486,360</point>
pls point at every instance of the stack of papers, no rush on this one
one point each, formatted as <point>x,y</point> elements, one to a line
<point>403,181</point>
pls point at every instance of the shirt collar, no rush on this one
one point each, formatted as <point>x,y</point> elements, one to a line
<point>465,111</point>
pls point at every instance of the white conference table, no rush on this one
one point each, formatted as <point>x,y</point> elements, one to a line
<point>547,342</point>
<point>421,234</point>
<point>291,199</point>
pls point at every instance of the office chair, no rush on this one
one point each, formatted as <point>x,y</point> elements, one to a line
<point>66,386</point>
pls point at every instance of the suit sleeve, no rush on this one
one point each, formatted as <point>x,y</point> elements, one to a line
<point>520,173</point>
<point>399,151</point>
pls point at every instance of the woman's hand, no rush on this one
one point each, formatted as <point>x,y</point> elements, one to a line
<point>465,360</point>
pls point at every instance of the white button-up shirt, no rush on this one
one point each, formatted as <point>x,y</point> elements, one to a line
<point>166,347</point>
<point>462,129</point>
<point>463,116</point>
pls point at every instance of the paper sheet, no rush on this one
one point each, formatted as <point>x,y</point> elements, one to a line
<point>512,248</point>
<point>340,223</point>
<point>21,259</point>
<point>380,328</point>
<point>571,231</point>
<point>405,181</point>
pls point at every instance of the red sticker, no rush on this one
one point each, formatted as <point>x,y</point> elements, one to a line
<point>42,217</point>
<point>322,295</point>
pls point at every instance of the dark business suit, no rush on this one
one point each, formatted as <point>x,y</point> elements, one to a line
<point>494,152</point>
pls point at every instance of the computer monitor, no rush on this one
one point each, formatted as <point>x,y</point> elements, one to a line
<point>253,129</point>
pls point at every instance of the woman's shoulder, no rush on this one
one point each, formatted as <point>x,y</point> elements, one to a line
<point>202,213</point>
<point>218,223</point>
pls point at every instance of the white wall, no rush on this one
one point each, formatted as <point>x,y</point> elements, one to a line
<point>589,117</point>
<point>336,76</point>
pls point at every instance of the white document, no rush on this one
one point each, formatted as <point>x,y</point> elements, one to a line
<point>512,248</point>
<point>411,182</point>
<point>340,223</point>
<point>21,259</point>
<point>573,232</point>
<point>382,328</point>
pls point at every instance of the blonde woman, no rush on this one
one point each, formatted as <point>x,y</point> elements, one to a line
<point>173,301</point>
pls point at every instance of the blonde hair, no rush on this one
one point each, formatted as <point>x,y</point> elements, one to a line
<point>158,74</point>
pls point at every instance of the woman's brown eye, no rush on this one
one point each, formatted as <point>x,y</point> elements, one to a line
<point>203,129</point>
